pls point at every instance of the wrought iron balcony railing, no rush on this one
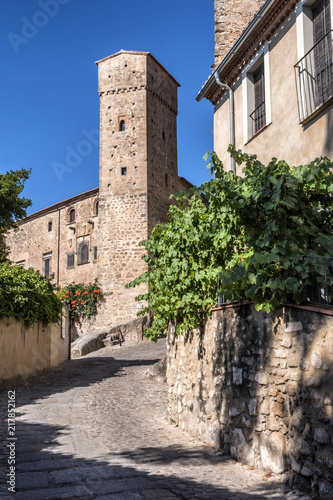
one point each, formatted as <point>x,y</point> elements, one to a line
<point>258,119</point>
<point>314,77</point>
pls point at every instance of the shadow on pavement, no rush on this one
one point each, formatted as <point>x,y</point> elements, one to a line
<point>42,472</point>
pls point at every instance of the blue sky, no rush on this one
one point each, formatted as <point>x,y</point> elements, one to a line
<point>49,97</point>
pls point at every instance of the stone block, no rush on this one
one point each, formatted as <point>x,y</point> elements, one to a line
<point>253,407</point>
<point>240,448</point>
<point>272,451</point>
<point>265,407</point>
<point>261,378</point>
<point>278,409</point>
<point>295,326</point>
<point>308,469</point>
<point>321,436</point>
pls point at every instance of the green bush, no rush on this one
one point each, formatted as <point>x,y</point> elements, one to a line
<point>253,232</point>
<point>28,296</point>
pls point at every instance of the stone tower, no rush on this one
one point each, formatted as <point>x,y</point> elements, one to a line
<point>231,18</point>
<point>138,171</point>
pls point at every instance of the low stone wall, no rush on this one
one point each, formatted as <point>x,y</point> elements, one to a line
<point>260,387</point>
<point>25,351</point>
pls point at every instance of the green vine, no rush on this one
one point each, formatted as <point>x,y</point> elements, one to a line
<point>81,300</point>
<point>252,232</point>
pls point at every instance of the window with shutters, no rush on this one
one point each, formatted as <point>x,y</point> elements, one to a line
<point>322,39</point>
<point>256,94</point>
<point>70,260</point>
<point>314,70</point>
<point>258,117</point>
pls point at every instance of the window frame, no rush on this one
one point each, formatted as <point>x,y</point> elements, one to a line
<point>261,57</point>
<point>79,260</point>
<point>307,107</point>
<point>47,259</point>
<point>70,254</point>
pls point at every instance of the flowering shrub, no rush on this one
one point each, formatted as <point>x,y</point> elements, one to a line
<point>81,300</point>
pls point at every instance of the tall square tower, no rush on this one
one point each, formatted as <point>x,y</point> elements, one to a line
<point>138,171</point>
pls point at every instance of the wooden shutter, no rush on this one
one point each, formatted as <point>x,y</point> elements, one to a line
<point>322,40</point>
<point>259,98</point>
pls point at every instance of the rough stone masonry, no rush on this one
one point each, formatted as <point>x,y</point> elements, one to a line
<point>260,387</point>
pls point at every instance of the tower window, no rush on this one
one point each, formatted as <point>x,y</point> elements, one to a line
<point>122,126</point>
<point>72,215</point>
<point>49,226</point>
<point>163,135</point>
<point>95,207</point>
<point>166,180</point>
<point>123,170</point>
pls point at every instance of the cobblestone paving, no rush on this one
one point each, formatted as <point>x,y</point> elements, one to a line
<point>95,428</point>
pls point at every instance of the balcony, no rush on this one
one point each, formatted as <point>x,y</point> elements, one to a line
<point>257,119</point>
<point>314,77</point>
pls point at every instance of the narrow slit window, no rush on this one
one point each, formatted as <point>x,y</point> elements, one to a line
<point>122,126</point>
<point>47,267</point>
<point>49,227</point>
<point>123,170</point>
<point>72,215</point>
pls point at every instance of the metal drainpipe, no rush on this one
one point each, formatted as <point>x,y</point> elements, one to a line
<point>231,115</point>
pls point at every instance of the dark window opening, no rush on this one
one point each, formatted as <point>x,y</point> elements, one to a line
<point>83,253</point>
<point>47,267</point>
<point>163,135</point>
<point>122,126</point>
<point>258,116</point>
<point>70,260</point>
<point>72,215</point>
<point>166,180</point>
<point>123,170</point>
<point>49,227</point>
<point>94,253</point>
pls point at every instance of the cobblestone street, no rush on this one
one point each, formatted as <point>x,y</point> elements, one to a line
<point>96,428</point>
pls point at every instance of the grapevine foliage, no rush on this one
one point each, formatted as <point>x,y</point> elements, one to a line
<point>252,232</point>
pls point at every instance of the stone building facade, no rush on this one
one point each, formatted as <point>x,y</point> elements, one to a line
<point>96,235</point>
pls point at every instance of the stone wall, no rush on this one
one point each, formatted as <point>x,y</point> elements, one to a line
<point>34,240</point>
<point>260,387</point>
<point>231,18</point>
<point>25,351</point>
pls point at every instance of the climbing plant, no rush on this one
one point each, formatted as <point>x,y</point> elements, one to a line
<point>252,232</point>
<point>81,300</point>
